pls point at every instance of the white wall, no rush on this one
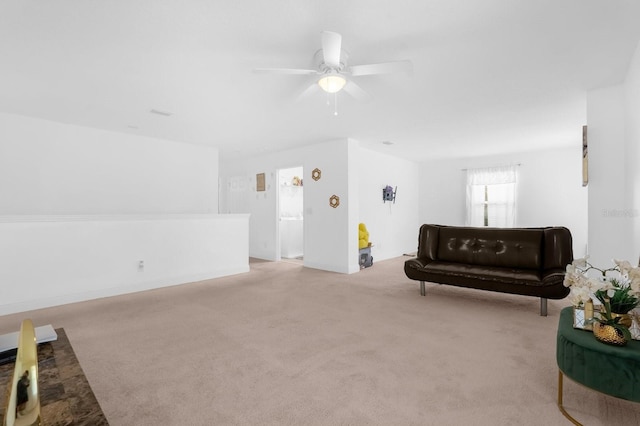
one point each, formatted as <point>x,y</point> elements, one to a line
<point>350,228</point>
<point>80,207</point>
<point>609,222</point>
<point>393,228</point>
<point>52,260</point>
<point>614,138</point>
<point>632,136</point>
<point>329,234</point>
<point>442,192</point>
<point>54,168</point>
<point>549,191</point>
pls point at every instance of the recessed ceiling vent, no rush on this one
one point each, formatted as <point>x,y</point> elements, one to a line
<point>164,113</point>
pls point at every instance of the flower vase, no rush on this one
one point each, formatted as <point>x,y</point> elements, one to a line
<point>608,334</point>
<point>625,319</point>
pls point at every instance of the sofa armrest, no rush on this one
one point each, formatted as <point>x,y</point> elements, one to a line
<point>417,263</point>
<point>552,281</point>
<point>428,241</point>
<point>558,249</point>
<point>554,274</point>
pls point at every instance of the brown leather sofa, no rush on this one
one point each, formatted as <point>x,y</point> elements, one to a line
<point>527,261</point>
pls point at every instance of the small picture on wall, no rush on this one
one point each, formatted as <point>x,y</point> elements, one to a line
<point>260,182</point>
<point>585,157</point>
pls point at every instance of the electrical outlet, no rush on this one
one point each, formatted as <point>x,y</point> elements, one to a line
<point>141,264</point>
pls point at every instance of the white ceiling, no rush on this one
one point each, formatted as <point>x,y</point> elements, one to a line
<point>488,76</point>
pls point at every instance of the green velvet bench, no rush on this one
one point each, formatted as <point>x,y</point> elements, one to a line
<point>612,370</point>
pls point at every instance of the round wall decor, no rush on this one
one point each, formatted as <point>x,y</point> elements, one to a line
<point>334,201</point>
<point>316,174</point>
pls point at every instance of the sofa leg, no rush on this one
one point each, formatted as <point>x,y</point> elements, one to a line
<point>422,292</point>
<point>543,307</point>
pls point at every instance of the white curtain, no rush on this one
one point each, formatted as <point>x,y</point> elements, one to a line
<point>495,189</point>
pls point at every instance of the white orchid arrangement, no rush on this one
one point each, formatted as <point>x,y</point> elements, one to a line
<point>618,286</point>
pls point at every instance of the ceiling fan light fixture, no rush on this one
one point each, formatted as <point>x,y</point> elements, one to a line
<point>332,83</point>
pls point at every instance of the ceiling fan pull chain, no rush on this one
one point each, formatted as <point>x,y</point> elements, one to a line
<point>335,104</point>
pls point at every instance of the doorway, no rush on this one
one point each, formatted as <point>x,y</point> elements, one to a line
<point>291,214</point>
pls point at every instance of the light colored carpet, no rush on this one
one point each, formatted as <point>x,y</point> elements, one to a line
<point>287,345</point>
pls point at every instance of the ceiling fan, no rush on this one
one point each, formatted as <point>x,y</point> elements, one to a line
<point>333,74</point>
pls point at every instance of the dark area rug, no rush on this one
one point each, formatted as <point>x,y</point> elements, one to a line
<point>65,395</point>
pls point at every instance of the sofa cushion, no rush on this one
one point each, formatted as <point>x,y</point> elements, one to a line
<point>508,248</point>
<point>485,273</point>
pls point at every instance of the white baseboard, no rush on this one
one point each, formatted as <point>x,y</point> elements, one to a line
<point>331,268</point>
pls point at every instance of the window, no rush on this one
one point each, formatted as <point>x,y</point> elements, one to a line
<point>491,197</point>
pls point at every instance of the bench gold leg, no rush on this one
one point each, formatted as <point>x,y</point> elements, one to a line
<point>562,410</point>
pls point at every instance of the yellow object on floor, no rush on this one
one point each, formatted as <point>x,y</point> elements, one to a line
<point>363,236</point>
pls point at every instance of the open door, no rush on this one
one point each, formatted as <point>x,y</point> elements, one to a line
<point>291,213</point>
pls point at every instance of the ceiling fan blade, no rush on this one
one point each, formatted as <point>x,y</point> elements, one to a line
<point>312,89</point>
<point>382,68</point>
<point>331,45</point>
<point>284,71</point>
<point>356,92</point>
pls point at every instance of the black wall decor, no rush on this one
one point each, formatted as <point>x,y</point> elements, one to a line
<point>389,194</point>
